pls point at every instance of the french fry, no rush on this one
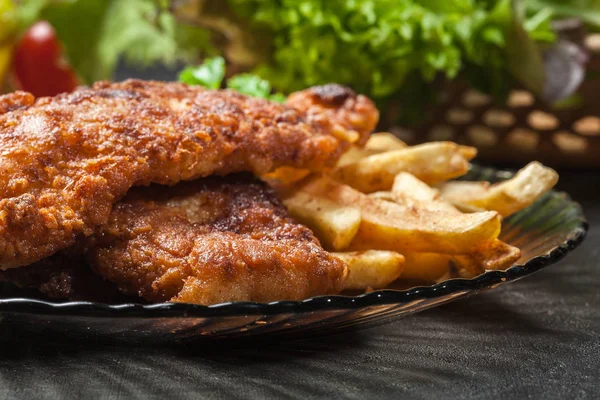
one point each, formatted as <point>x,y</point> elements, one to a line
<point>372,269</point>
<point>388,196</point>
<point>506,197</point>
<point>468,152</point>
<point>430,162</point>
<point>495,256</point>
<point>379,204</point>
<point>354,154</point>
<point>425,267</point>
<point>388,226</point>
<point>384,141</point>
<point>410,191</point>
<point>467,208</point>
<point>408,184</point>
<point>407,201</point>
<point>379,142</point>
<point>433,267</point>
<point>334,225</point>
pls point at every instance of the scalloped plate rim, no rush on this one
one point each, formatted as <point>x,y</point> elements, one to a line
<point>318,303</point>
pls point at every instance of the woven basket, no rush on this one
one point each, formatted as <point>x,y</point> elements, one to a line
<point>522,129</point>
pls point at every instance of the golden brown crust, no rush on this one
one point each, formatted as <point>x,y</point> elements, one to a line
<point>212,241</point>
<point>341,107</point>
<point>15,101</point>
<point>65,160</point>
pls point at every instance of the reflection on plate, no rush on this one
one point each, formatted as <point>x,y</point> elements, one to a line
<point>545,232</point>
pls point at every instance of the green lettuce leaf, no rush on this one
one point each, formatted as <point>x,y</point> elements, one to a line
<point>209,74</point>
<point>253,85</point>
<point>390,48</point>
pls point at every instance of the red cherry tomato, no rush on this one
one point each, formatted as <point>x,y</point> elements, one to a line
<point>38,63</point>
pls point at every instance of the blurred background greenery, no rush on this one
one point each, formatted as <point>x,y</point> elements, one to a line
<point>396,51</point>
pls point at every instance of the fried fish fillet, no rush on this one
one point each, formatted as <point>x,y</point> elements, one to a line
<point>65,160</point>
<point>211,241</point>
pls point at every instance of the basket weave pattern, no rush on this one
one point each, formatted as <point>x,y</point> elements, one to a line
<point>523,128</point>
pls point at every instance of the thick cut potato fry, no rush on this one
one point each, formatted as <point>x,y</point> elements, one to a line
<point>495,256</point>
<point>433,267</point>
<point>379,142</point>
<point>467,208</point>
<point>407,201</point>
<point>409,191</point>
<point>334,225</point>
<point>372,269</point>
<point>468,152</point>
<point>389,226</point>
<point>426,267</point>
<point>430,162</point>
<point>506,197</point>
<point>354,154</point>
<point>384,141</point>
<point>408,184</point>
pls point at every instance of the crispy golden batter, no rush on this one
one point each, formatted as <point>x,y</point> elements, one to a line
<point>64,161</point>
<point>211,241</point>
<point>351,116</point>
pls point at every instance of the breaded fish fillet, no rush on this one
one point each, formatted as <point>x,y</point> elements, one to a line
<point>215,240</point>
<point>65,160</point>
<point>211,241</point>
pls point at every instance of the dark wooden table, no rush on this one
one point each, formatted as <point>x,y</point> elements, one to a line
<point>536,338</point>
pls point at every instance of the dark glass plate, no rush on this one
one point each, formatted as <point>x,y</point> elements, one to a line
<point>545,232</point>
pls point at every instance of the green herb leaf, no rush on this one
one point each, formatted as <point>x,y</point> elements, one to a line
<point>251,85</point>
<point>209,74</point>
<point>278,97</point>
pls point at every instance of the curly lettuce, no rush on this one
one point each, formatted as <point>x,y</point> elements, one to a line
<point>395,49</point>
<point>375,46</point>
